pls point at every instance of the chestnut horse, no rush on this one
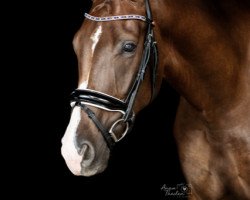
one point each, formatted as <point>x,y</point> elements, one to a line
<point>125,48</point>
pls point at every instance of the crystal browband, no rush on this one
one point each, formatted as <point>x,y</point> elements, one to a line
<point>113,18</point>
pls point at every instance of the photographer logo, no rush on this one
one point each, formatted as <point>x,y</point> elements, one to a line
<point>180,190</point>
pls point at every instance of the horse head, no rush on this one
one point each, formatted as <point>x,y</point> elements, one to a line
<point>117,59</point>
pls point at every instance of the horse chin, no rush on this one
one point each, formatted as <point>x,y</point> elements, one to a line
<point>77,167</point>
<point>87,171</point>
<point>91,171</point>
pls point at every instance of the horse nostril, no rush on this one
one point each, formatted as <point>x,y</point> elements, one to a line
<point>88,154</point>
<point>79,144</point>
<point>83,149</point>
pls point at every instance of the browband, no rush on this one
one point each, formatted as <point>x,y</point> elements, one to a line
<point>113,18</point>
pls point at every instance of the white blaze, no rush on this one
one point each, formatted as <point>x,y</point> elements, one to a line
<point>68,150</point>
<point>83,85</point>
<point>95,38</point>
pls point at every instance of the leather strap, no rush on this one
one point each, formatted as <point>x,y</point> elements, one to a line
<point>105,133</point>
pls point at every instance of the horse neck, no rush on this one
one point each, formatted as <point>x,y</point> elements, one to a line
<point>204,50</point>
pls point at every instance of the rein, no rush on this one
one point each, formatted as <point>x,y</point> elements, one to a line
<point>85,97</point>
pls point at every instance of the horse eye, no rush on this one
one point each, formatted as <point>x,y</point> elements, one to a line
<point>129,47</point>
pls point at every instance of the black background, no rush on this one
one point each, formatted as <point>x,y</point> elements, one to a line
<point>44,72</point>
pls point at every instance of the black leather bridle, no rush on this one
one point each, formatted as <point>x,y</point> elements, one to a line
<point>85,97</point>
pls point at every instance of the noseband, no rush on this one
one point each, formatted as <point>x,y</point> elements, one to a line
<point>86,97</point>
